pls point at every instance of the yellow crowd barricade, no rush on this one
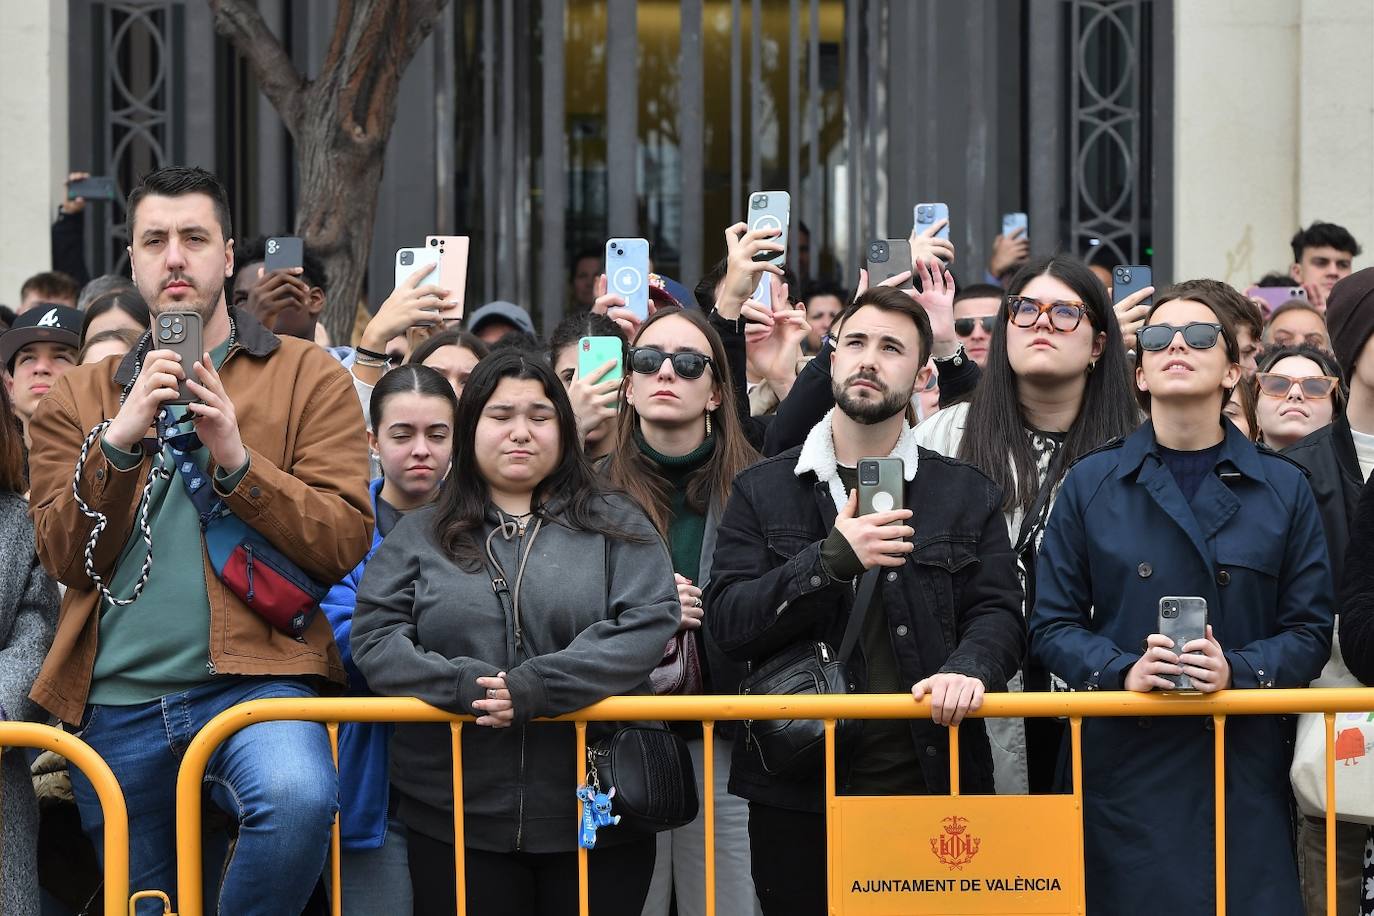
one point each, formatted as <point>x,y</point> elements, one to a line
<point>947,854</point>
<point>79,754</point>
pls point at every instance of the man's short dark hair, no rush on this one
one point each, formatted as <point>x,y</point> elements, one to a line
<point>889,299</point>
<point>1232,308</point>
<point>705,291</point>
<point>178,181</point>
<point>1275,280</point>
<point>255,249</point>
<point>979,291</point>
<point>51,285</point>
<point>1324,235</point>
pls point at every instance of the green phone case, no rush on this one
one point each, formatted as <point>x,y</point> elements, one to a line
<point>593,352</point>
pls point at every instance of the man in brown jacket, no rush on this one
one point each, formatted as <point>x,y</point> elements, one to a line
<point>279,436</point>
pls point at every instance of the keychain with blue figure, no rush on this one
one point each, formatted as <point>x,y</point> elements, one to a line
<point>596,811</point>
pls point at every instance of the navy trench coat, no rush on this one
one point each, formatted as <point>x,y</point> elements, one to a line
<point>1121,537</point>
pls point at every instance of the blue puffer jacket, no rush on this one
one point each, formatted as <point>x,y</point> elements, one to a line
<point>364,787</point>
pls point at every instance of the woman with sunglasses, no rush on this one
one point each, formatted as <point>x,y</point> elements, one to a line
<point>525,591</point>
<point>1056,371</point>
<point>1185,506</point>
<point>1299,392</point>
<point>678,445</point>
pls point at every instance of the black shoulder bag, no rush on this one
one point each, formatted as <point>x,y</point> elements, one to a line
<point>784,746</point>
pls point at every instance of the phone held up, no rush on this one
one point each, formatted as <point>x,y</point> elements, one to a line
<point>1128,279</point>
<point>182,333</point>
<point>627,273</point>
<point>595,352</point>
<point>1013,221</point>
<point>927,215</point>
<point>453,271</point>
<point>409,260</point>
<point>1182,620</point>
<point>283,253</point>
<point>93,188</point>
<point>1275,296</point>
<point>771,210</point>
<point>880,485</point>
<point>887,258</point>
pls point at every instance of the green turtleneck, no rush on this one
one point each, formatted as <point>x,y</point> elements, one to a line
<point>686,526</point>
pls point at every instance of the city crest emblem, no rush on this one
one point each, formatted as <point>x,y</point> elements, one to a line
<point>955,847</point>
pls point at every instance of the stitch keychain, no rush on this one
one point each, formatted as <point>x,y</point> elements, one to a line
<point>596,812</point>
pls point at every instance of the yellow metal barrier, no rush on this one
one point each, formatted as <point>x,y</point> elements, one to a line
<point>861,816</point>
<point>80,755</point>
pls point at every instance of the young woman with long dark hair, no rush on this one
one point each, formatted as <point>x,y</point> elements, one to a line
<point>412,414</point>
<point>678,445</point>
<point>1056,372</point>
<point>586,607</point>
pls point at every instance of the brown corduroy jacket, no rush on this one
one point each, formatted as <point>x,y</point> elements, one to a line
<point>305,491</point>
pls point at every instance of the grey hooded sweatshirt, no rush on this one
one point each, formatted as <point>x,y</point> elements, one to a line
<point>594,614</point>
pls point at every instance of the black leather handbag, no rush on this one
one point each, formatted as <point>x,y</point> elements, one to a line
<point>784,746</point>
<point>651,770</point>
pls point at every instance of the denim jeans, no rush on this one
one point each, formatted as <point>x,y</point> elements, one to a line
<point>376,882</point>
<point>276,780</point>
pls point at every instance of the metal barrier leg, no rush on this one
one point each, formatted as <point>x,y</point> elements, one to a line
<point>1076,751</point>
<point>1330,718</point>
<point>460,861</point>
<point>582,907</point>
<point>335,844</point>
<point>832,820</point>
<point>708,779</point>
<point>1219,771</point>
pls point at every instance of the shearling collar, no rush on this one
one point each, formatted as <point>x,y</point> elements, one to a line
<point>818,456</point>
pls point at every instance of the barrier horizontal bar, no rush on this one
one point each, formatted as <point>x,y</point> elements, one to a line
<point>102,779</point>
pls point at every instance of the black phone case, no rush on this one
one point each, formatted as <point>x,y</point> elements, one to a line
<point>284,253</point>
<point>182,333</point>
<point>1190,624</point>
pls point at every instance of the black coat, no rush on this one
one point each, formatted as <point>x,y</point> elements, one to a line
<point>953,607</point>
<point>1328,455</point>
<point>1121,537</point>
<point>1357,593</point>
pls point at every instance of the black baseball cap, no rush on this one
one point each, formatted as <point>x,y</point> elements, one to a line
<point>58,324</point>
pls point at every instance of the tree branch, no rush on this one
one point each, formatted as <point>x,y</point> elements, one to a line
<point>277,77</point>
<point>343,22</point>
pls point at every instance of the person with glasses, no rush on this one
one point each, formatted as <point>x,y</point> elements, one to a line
<point>1185,506</point>
<point>975,313</point>
<point>1299,391</point>
<point>678,444</point>
<point>944,619</point>
<point>1056,371</point>
<point>523,591</point>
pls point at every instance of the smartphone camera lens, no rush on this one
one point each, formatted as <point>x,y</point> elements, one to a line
<point>1125,275</point>
<point>433,242</point>
<point>760,202</point>
<point>868,474</point>
<point>166,322</point>
<point>923,214</point>
<point>407,258</point>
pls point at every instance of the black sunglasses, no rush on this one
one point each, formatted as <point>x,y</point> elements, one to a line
<point>964,326</point>
<point>686,363</point>
<point>1198,335</point>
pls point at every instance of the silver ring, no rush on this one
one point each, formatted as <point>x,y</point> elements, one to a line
<point>491,693</point>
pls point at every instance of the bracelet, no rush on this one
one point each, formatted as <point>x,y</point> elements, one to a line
<point>370,363</point>
<point>372,354</point>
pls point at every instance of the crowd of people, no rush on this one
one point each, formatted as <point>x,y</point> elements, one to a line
<point>491,525</point>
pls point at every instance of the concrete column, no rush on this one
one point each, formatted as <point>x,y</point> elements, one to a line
<point>33,143</point>
<point>1274,128</point>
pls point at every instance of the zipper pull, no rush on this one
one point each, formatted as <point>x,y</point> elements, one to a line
<point>248,564</point>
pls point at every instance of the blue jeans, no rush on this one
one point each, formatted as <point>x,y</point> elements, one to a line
<point>276,780</point>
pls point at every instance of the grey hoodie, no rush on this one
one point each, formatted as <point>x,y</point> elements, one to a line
<point>595,613</point>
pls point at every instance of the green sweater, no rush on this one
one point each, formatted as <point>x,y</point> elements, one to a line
<point>160,644</point>
<point>686,526</point>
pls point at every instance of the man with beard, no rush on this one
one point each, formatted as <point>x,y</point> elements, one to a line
<point>274,432</point>
<point>944,621</point>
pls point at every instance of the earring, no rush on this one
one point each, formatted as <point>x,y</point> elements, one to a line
<point>1092,364</point>
<point>708,424</point>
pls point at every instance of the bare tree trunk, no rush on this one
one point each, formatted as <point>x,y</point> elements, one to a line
<point>340,122</point>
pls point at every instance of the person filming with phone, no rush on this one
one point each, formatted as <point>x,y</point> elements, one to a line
<point>219,435</point>
<point>1183,557</point>
<point>937,612</point>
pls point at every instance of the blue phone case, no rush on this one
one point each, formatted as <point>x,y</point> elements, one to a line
<point>926,215</point>
<point>627,273</point>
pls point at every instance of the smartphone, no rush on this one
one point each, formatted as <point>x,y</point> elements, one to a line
<point>284,253</point>
<point>181,332</point>
<point>94,188</point>
<point>1013,221</point>
<point>1275,296</point>
<point>771,210</point>
<point>887,258</point>
<point>595,352</point>
<point>927,215</point>
<point>881,483</point>
<point>453,271</point>
<point>1182,620</point>
<point>409,260</point>
<point>627,273</point>
<point>763,293</point>
<point>1129,278</point>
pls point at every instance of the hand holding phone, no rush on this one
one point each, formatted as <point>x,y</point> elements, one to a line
<point>283,253</point>
<point>886,258</point>
<point>181,333</point>
<point>1011,249</point>
<point>927,216</point>
<point>878,536</point>
<point>771,210</point>
<point>89,187</point>
<point>627,273</point>
<point>453,271</point>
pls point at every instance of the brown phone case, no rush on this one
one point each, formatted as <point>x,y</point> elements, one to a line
<point>182,333</point>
